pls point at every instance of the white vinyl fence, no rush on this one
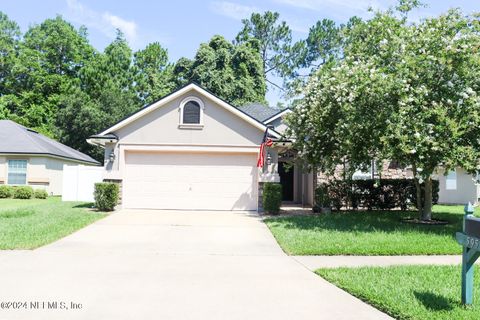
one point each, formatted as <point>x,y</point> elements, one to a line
<point>79,182</point>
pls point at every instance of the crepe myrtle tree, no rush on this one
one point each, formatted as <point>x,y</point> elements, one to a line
<point>404,91</point>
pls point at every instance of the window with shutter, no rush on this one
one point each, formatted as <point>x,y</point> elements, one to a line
<point>191,113</point>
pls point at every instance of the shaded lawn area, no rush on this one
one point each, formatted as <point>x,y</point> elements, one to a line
<point>367,233</point>
<point>408,292</point>
<point>28,224</point>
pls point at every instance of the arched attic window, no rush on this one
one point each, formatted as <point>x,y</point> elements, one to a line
<point>191,113</point>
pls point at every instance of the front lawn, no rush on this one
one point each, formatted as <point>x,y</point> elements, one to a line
<point>408,292</point>
<point>367,233</point>
<point>28,224</point>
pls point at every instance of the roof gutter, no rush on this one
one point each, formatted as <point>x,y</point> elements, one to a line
<point>37,154</point>
<point>101,140</point>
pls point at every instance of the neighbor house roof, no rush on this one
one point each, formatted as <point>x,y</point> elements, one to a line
<point>16,139</point>
<point>259,111</point>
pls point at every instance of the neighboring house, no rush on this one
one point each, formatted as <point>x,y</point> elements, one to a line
<point>458,187</point>
<point>455,187</point>
<point>29,158</point>
<point>387,170</point>
<point>192,150</point>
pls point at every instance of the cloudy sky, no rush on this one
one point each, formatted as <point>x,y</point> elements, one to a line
<point>181,25</point>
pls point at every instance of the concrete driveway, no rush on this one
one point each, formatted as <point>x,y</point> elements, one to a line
<point>145,264</point>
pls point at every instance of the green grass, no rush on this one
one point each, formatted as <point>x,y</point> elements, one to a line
<point>28,224</point>
<point>367,233</point>
<point>408,292</point>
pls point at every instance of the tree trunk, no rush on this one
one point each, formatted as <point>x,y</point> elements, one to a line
<point>427,205</point>
<point>418,191</point>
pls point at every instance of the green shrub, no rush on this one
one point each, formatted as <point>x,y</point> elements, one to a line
<point>272,197</point>
<point>6,191</point>
<point>40,194</point>
<point>322,197</point>
<point>384,194</point>
<point>22,192</point>
<point>106,196</point>
<point>339,193</point>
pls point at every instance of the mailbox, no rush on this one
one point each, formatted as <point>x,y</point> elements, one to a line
<point>472,226</point>
<point>470,240</point>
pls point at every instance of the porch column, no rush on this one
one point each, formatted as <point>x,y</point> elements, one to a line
<point>269,173</point>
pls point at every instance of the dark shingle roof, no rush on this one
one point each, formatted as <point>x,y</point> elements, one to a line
<point>15,138</point>
<point>259,111</point>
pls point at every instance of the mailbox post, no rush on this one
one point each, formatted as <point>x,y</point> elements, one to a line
<point>470,240</point>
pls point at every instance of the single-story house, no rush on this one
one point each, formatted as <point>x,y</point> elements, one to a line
<point>29,158</point>
<point>192,150</point>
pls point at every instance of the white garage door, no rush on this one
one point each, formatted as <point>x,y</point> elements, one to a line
<point>191,181</point>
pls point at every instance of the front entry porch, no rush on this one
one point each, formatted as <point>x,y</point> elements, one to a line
<point>298,183</point>
<point>297,186</point>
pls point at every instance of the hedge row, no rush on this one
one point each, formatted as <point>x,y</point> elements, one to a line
<point>22,192</point>
<point>382,194</point>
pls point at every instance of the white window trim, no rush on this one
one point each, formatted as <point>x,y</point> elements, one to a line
<point>452,185</point>
<point>26,172</point>
<point>182,125</point>
<point>369,174</point>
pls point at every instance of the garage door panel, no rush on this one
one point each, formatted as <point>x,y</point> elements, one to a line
<point>190,181</point>
<point>207,187</point>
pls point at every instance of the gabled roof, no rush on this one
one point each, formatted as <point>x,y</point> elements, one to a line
<point>16,139</point>
<point>195,87</point>
<point>277,115</point>
<point>259,111</point>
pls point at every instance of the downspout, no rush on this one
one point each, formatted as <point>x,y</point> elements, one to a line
<point>303,189</point>
<point>314,185</point>
<point>304,180</point>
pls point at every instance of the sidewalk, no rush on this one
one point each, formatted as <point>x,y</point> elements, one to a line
<point>316,262</point>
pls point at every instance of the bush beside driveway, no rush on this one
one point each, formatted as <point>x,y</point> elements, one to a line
<point>28,224</point>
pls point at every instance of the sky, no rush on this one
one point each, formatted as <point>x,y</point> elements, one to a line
<point>181,25</point>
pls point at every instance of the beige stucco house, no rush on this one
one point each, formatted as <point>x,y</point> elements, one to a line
<point>191,150</point>
<point>458,187</point>
<point>29,158</point>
